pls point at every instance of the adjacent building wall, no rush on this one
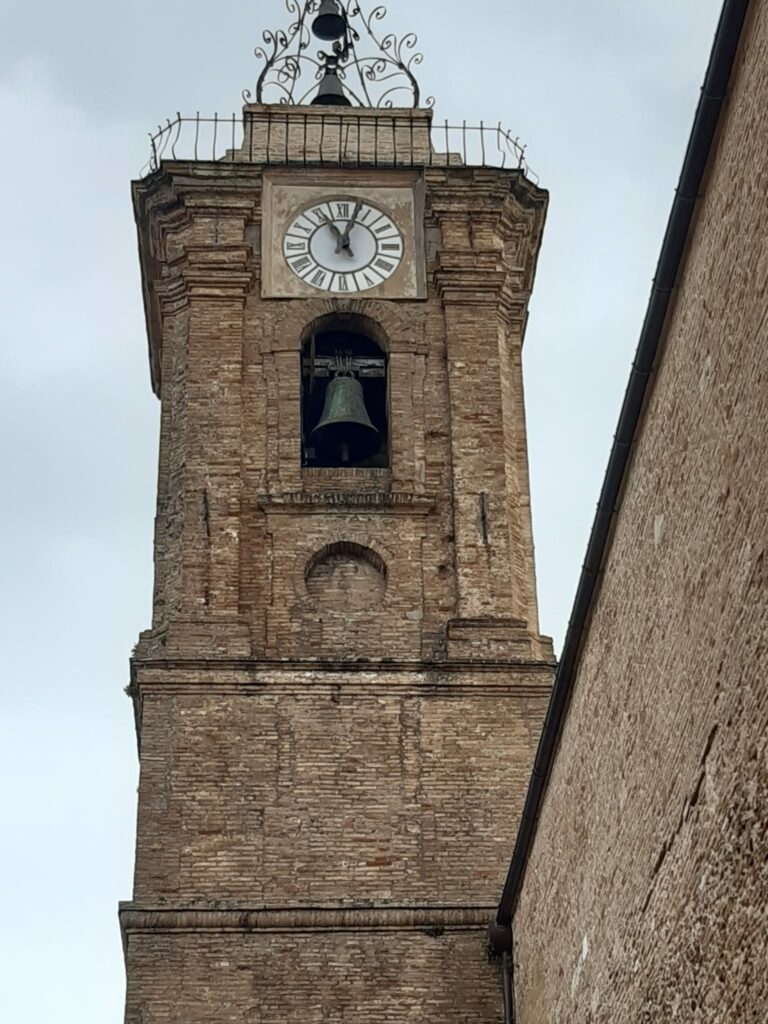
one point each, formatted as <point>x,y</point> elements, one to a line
<point>646,894</point>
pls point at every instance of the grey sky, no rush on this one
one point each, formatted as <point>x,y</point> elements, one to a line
<point>602,92</point>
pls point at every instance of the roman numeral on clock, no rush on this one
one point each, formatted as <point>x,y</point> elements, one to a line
<point>385,265</point>
<point>342,209</point>
<point>300,263</point>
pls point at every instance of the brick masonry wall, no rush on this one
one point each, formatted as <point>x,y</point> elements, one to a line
<point>646,897</point>
<point>346,978</point>
<point>228,361</point>
<point>312,789</point>
<point>338,741</point>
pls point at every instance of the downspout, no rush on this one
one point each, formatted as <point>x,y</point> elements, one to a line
<point>507,989</point>
<point>705,124</point>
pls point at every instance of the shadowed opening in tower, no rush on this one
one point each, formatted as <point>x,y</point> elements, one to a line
<point>344,398</point>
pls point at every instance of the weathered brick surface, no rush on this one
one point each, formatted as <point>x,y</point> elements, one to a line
<point>646,897</point>
<point>228,362</point>
<point>362,978</point>
<point>345,136</point>
<point>321,790</point>
<point>321,728</point>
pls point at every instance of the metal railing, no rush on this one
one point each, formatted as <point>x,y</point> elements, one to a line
<point>312,139</point>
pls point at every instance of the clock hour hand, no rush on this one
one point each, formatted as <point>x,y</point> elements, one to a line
<point>342,242</point>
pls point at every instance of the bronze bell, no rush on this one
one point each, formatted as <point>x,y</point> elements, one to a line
<point>330,23</point>
<point>345,431</point>
<point>331,92</point>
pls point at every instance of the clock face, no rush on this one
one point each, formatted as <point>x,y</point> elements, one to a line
<point>343,245</point>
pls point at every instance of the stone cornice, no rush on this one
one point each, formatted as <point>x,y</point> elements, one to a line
<point>172,295</point>
<point>217,205</point>
<point>360,691</point>
<point>233,181</point>
<point>433,920</point>
<point>470,281</point>
<point>211,272</point>
<point>222,285</point>
<point>251,669</point>
<point>500,677</point>
<point>391,502</point>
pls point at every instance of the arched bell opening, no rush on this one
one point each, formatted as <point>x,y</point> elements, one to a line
<point>344,396</point>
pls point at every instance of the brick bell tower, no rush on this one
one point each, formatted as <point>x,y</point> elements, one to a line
<point>339,699</point>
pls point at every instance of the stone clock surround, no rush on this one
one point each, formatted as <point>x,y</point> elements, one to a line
<point>399,193</point>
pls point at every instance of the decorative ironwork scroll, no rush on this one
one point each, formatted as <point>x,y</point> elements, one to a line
<point>384,77</point>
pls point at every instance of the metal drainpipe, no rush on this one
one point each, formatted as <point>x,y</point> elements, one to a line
<point>507,990</point>
<point>501,943</point>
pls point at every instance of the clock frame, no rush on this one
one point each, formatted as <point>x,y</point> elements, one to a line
<point>398,195</point>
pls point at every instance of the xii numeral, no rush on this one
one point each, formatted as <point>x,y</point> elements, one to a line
<point>342,210</point>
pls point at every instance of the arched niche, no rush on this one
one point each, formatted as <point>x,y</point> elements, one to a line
<point>345,577</point>
<point>344,365</point>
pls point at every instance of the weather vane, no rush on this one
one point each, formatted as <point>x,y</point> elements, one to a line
<point>342,74</point>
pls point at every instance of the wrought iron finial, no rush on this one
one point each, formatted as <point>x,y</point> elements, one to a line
<point>341,74</point>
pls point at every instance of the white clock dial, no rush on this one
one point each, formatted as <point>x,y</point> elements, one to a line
<point>343,245</point>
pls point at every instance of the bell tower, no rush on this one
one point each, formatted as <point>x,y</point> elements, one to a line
<point>339,698</point>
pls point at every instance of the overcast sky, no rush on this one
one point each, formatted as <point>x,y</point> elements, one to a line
<point>603,93</point>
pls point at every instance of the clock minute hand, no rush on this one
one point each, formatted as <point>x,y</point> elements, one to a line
<point>341,244</point>
<point>344,240</point>
<point>332,226</point>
